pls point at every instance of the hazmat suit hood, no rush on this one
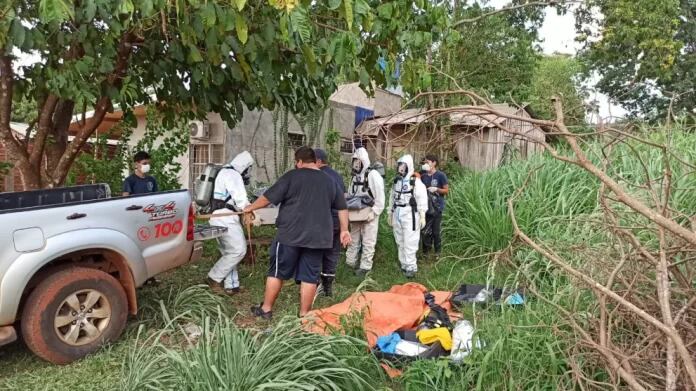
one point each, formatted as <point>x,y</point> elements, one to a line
<point>241,162</point>
<point>408,160</point>
<point>361,154</point>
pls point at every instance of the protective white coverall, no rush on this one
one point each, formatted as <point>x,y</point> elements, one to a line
<point>229,185</point>
<point>365,233</point>
<point>402,215</point>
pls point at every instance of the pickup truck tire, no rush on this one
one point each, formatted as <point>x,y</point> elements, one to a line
<point>72,313</point>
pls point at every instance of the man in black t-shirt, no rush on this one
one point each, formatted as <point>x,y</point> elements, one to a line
<point>139,182</point>
<point>305,229</point>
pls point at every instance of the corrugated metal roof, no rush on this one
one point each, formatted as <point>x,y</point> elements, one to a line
<point>404,117</point>
<point>480,116</point>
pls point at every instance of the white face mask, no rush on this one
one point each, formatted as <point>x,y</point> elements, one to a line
<point>425,167</point>
<point>144,168</point>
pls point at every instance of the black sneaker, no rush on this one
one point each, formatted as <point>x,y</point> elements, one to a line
<point>409,274</point>
<point>361,272</point>
<point>259,313</point>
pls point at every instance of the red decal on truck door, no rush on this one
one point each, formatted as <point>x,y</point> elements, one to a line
<point>144,234</point>
<point>165,229</point>
<point>161,212</point>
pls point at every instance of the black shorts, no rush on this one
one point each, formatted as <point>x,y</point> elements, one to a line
<point>299,263</point>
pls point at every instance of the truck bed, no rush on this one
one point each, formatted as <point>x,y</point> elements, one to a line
<point>46,197</point>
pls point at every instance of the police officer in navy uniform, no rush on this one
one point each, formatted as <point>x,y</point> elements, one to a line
<point>438,186</point>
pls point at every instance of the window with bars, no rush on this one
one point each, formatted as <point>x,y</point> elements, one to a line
<point>346,145</point>
<point>295,140</point>
<point>202,155</point>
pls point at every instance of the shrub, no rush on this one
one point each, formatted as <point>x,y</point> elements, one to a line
<point>229,358</point>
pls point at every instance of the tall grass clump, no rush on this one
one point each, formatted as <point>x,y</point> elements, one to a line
<point>229,358</point>
<point>190,304</point>
<point>477,220</point>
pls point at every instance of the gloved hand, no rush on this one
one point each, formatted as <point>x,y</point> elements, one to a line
<point>422,219</point>
<point>432,189</point>
<point>390,219</point>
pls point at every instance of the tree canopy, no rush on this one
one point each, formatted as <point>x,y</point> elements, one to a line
<point>643,51</point>
<point>557,75</point>
<point>187,56</point>
<point>494,55</point>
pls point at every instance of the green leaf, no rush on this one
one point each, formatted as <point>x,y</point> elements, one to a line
<point>348,5</point>
<point>334,4</point>
<point>364,77</point>
<point>310,58</point>
<point>242,28</point>
<point>300,23</point>
<point>240,4</point>
<point>126,7</point>
<point>361,7</point>
<point>227,21</point>
<point>284,28</point>
<point>194,54</point>
<point>146,7</point>
<point>17,33</point>
<point>90,10</point>
<point>56,10</point>
<point>208,15</point>
<point>385,10</point>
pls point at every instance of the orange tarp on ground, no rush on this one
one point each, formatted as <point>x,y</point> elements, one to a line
<point>400,308</point>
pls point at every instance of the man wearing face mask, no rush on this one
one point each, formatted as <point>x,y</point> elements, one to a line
<point>139,182</point>
<point>365,182</point>
<point>438,187</point>
<point>230,195</point>
<point>408,203</point>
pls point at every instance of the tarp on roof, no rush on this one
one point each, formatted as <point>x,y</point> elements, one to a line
<point>481,117</point>
<point>362,114</point>
<point>403,117</point>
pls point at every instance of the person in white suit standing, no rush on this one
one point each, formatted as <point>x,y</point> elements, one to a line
<point>230,195</point>
<point>365,182</point>
<point>408,203</point>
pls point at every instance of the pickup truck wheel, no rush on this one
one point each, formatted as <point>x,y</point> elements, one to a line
<point>72,313</point>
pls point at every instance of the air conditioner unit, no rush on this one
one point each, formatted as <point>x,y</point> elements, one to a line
<point>199,129</point>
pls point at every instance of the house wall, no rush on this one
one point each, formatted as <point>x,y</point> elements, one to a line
<point>386,103</point>
<point>257,132</point>
<point>482,149</point>
<point>479,149</point>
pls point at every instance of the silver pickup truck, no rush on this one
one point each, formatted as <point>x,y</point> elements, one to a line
<point>71,259</point>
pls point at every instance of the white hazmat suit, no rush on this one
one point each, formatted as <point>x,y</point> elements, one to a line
<point>229,187</point>
<point>365,233</point>
<point>405,220</point>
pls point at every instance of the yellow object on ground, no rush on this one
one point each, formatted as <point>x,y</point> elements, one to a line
<point>441,334</point>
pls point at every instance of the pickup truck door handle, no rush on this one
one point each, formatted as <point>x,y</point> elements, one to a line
<point>76,216</point>
<point>134,207</point>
